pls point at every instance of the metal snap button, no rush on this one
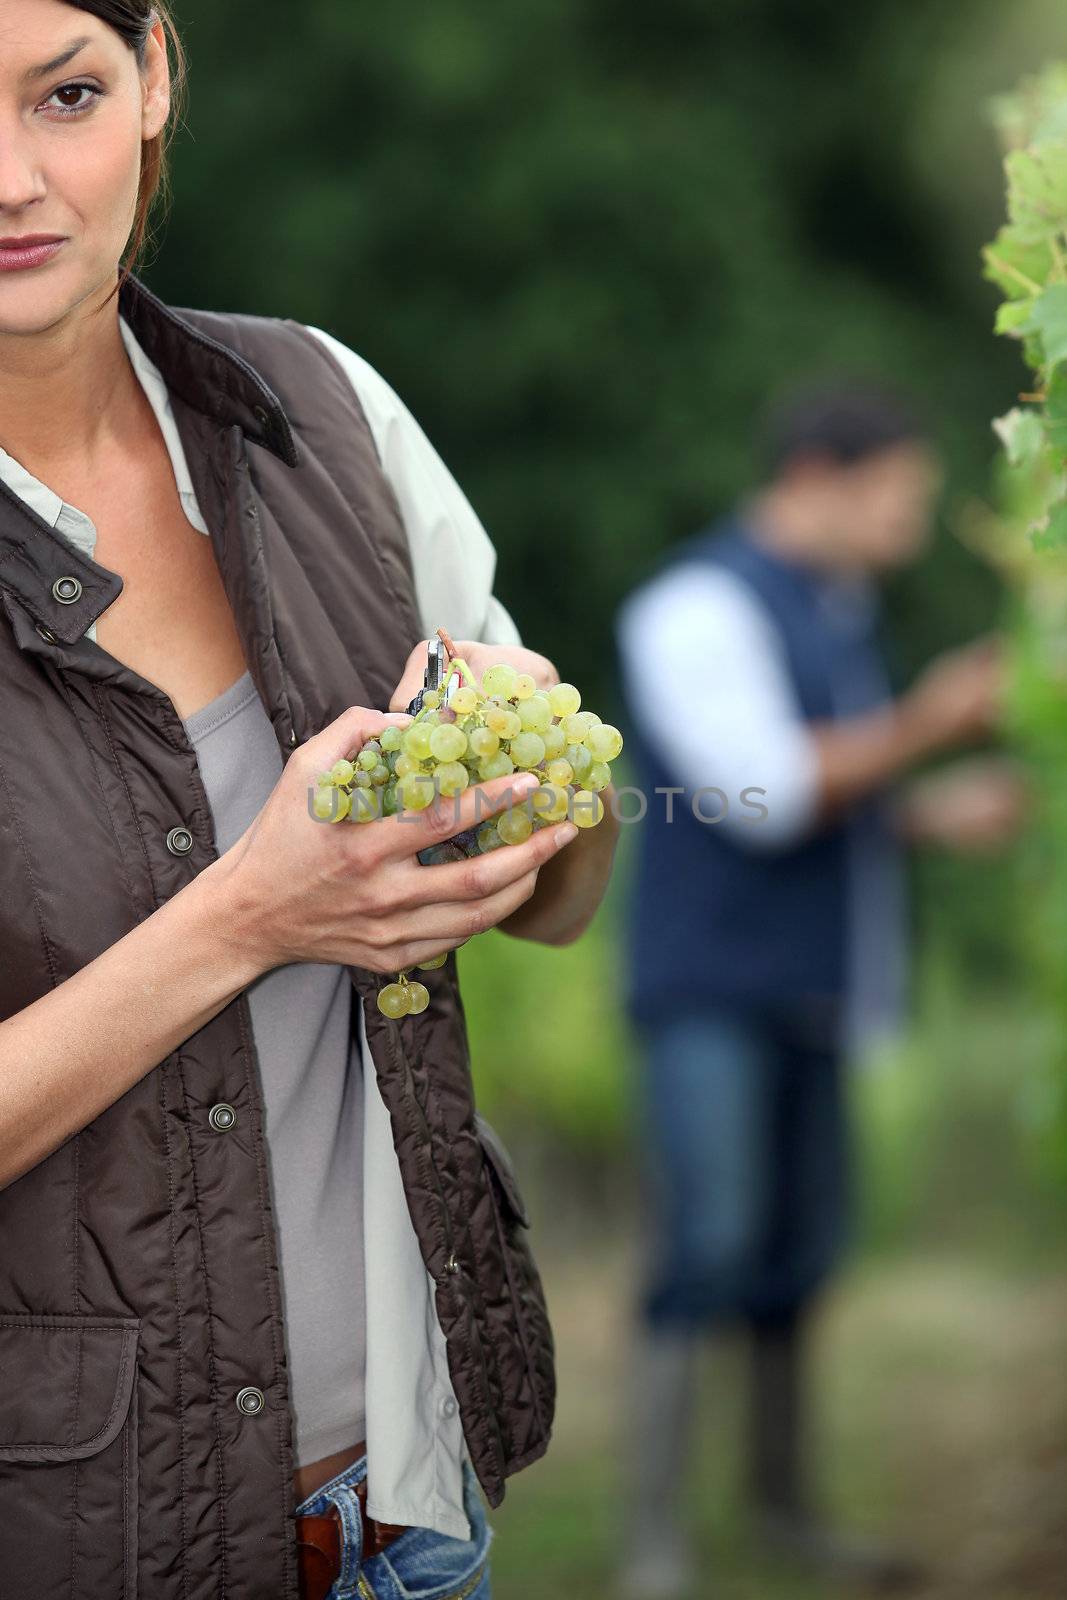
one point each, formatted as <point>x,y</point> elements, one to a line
<point>179,841</point>
<point>292,736</point>
<point>46,633</point>
<point>451,1265</point>
<point>251,1401</point>
<point>67,590</point>
<point>222,1117</point>
<point>261,416</point>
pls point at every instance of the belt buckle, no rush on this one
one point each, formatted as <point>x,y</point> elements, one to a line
<point>320,1545</point>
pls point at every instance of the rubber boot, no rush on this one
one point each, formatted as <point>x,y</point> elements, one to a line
<point>785,1514</point>
<point>657,1560</point>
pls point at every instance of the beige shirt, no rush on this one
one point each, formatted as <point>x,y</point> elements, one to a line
<point>415,1443</point>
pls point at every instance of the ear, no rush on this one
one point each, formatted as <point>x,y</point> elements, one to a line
<point>155,80</point>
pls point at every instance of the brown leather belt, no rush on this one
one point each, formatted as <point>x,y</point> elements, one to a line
<point>320,1542</point>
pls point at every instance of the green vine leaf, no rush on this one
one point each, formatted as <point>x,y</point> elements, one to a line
<point>1051,532</point>
<point>1048,318</point>
<point>1037,189</point>
<point>1022,436</point>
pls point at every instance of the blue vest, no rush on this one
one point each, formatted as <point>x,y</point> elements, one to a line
<point>710,921</point>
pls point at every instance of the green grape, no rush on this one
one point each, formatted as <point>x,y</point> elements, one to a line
<point>417,741</point>
<point>447,742</point>
<point>497,766</point>
<point>394,1000</point>
<point>524,686</point>
<point>405,764</point>
<point>342,772</point>
<point>598,776</point>
<point>464,701</point>
<point>380,775</point>
<point>391,738</point>
<point>504,722</point>
<point>551,802</point>
<point>555,741</point>
<point>324,780</point>
<point>330,805</point>
<point>587,810</point>
<point>559,772</point>
<point>452,777</point>
<point>415,791</point>
<point>579,758</point>
<point>604,742</point>
<point>431,700</point>
<point>487,836</point>
<point>390,801</point>
<point>367,759</point>
<point>514,825</point>
<point>527,749</point>
<point>499,679</point>
<point>535,714</point>
<point>564,700</point>
<point>418,998</point>
<point>362,778</point>
<point>366,805</point>
<point>483,742</point>
<point>577,726</point>
<point>433,963</point>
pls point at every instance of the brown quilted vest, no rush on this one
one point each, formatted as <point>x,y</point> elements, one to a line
<point>139,1286</point>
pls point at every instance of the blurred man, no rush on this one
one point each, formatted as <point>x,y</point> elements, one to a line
<point>767,935</point>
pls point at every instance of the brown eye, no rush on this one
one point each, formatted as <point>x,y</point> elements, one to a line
<point>76,105</point>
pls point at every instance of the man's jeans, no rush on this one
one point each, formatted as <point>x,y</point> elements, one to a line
<point>419,1563</point>
<point>742,1126</point>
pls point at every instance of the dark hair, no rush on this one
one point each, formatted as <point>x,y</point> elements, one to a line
<point>845,419</point>
<point>133,20</point>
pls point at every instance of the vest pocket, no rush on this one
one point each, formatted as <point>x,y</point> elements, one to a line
<point>68,1455</point>
<point>533,1389</point>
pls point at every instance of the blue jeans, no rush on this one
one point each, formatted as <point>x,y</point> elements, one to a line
<point>744,1140</point>
<point>420,1564</point>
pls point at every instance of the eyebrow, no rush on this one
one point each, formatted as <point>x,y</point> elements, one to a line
<point>59,61</point>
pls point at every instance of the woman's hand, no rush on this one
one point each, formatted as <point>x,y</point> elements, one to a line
<point>300,889</point>
<point>478,657</point>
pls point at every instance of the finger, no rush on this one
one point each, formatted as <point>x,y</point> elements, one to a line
<point>411,831</point>
<point>345,736</point>
<point>483,875</point>
<point>445,927</point>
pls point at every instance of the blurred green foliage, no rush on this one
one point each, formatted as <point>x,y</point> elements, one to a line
<point>584,241</point>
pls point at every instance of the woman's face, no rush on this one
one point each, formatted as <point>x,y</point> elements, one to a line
<point>70,152</point>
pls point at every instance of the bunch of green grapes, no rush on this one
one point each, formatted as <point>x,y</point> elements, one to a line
<point>468,733</point>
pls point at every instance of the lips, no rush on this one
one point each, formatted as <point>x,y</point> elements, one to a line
<point>30,251</point>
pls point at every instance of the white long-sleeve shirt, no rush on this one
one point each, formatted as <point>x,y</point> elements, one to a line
<point>415,1444</point>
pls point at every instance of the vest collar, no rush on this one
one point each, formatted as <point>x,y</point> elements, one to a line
<point>210,376</point>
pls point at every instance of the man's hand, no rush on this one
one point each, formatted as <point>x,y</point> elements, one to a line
<point>975,806</point>
<point>478,657</point>
<point>959,696</point>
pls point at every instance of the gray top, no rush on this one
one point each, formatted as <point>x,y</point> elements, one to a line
<point>312,1081</point>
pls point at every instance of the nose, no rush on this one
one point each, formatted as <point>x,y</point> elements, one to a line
<point>21,179</point>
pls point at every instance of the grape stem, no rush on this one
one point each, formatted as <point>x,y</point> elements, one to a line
<point>450,648</point>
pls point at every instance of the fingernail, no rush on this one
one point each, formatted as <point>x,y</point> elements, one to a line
<point>527,782</point>
<point>566,833</point>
